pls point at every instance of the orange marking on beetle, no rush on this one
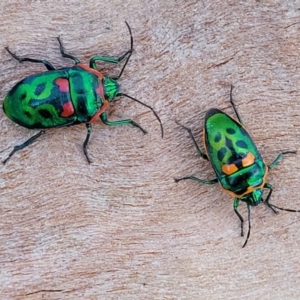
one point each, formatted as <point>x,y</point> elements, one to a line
<point>63,84</point>
<point>248,160</point>
<point>91,70</point>
<point>68,109</point>
<point>103,108</point>
<point>229,169</point>
<point>250,189</point>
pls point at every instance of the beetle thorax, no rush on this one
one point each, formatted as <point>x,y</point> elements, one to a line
<point>110,88</point>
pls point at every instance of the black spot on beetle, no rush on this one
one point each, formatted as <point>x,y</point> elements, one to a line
<point>40,88</point>
<point>230,130</point>
<point>23,96</point>
<point>221,153</point>
<point>27,114</point>
<point>228,143</point>
<point>217,137</point>
<point>45,113</point>
<point>236,159</point>
<point>241,144</point>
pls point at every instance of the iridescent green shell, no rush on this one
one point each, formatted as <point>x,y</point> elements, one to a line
<point>57,98</point>
<point>230,147</point>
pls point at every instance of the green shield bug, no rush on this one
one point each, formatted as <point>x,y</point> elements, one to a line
<point>238,165</point>
<point>67,96</point>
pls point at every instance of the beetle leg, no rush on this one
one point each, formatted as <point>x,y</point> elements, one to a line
<point>115,60</point>
<point>89,130</point>
<point>111,60</point>
<point>107,59</point>
<point>266,202</point>
<point>235,206</point>
<point>103,118</point>
<point>234,107</point>
<point>200,153</point>
<point>46,63</point>
<point>269,186</point>
<point>64,54</point>
<point>208,182</point>
<point>272,206</point>
<point>20,147</point>
<point>278,158</point>
<point>249,226</point>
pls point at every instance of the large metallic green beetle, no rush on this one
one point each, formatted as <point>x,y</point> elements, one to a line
<point>67,96</point>
<point>237,163</point>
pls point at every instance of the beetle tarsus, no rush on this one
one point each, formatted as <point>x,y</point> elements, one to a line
<point>85,143</point>
<point>22,146</point>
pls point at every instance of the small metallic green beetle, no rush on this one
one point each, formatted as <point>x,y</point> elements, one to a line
<point>237,163</point>
<point>67,96</point>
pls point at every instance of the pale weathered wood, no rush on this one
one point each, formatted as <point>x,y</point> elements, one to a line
<point>120,228</point>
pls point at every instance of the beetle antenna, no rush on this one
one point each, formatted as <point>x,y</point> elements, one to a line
<point>154,112</point>
<point>128,53</point>
<point>286,209</point>
<point>249,226</point>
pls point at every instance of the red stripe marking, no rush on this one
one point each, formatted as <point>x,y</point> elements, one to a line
<point>63,84</point>
<point>99,90</point>
<point>91,70</point>
<point>68,109</point>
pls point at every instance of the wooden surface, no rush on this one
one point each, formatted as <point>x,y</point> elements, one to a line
<point>121,228</point>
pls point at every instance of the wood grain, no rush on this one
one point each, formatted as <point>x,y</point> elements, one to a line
<point>121,228</point>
